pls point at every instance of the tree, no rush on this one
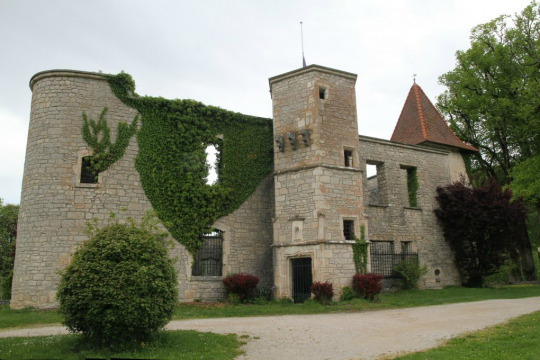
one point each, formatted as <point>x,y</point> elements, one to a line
<point>120,286</point>
<point>484,227</point>
<point>492,98</point>
<point>8,233</point>
<point>526,183</point>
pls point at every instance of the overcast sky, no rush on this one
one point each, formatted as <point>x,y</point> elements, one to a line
<point>223,52</point>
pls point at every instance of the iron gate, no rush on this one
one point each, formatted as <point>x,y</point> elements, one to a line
<point>301,279</point>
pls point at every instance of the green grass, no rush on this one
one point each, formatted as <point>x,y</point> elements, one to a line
<point>518,339</point>
<point>27,317</point>
<point>407,298</point>
<point>171,345</point>
<point>401,299</point>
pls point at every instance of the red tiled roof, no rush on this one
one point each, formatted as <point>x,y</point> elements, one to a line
<point>420,122</point>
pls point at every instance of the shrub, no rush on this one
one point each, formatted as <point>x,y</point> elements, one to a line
<point>323,291</point>
<point>410,271</point>
<point>120,286</point>
<point>483,226</point>
<point>242,285</point>
<point>347,293</point>
<point>367,286</point>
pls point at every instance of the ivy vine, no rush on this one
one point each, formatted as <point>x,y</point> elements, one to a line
<point>97,136</point>
<point>412,187</point>
<point>360,251</point>
<point>171,160</point>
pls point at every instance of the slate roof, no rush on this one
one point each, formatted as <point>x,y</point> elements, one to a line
<point>421,123</point>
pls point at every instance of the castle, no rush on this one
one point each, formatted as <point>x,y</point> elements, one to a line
<point>296,227</point>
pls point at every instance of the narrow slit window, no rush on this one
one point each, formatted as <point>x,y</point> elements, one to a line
<point>348,229</point>
<point>87,173</point>
<point>212,162</point>
<point>323,92</point>
<point>348,158</point>
<point>412,187</point>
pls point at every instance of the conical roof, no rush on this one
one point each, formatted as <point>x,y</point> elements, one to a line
<point>420,122</point>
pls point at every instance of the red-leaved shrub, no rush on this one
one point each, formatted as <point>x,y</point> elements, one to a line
<point>367,286</point>
<point>242,285</point>
<point>323,291</point>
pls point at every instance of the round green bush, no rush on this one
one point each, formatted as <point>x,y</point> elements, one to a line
<point>120,286</point>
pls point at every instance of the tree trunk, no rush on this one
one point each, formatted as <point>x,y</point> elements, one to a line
<point>526,255</point>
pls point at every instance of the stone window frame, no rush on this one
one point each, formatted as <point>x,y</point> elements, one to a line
<point>356,226</point>
<point>354,155</point>
<point>408,246</point>
<point>408,169</point>
<point>222,259</point>
<point>77,171</point>
<point>382,189</point>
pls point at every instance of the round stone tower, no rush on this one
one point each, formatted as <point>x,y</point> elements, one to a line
<point>55,203</point>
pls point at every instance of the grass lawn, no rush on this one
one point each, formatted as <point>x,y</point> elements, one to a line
<point>518,339</point>
<point>185,345</point>
<point>400,299</point>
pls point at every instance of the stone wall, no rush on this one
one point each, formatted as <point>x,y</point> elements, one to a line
<point>55,206</point>
<point>392,219</point>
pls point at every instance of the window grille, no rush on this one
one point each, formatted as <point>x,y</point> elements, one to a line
<point>384,259</point>
<point>209,258</point>
<point>348,229</point>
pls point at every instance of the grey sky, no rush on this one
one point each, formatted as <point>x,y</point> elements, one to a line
<point>223,52</point>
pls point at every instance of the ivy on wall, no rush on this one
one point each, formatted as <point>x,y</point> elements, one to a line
<point>171,160</point>
<point>412,187</point>
<point>97,136</point>
<point>360,251</point>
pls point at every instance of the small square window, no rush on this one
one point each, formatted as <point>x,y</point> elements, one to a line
<point>323,92</point>
<point>348,229</point>
<point>87,173</point>
<point>348,158</point>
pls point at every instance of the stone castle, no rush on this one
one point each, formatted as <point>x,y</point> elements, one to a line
<point>295,228</point>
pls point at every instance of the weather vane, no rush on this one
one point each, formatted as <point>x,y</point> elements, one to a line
<point>302,38</point>
<point>414,78</point>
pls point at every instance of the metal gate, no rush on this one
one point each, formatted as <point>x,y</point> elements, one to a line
<point>301,279</point>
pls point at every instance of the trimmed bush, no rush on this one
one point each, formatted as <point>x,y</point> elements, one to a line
<point>411,272</point>
<point>242,285</point>
<point>323,292</point>
<point>367,286</point>
<point>347,293</point>
<point>120,286</point>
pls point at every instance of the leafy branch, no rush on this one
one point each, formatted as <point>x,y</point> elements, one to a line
<point>97,136</point>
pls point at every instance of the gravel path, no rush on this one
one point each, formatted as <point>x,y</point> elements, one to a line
<point>362,335</point>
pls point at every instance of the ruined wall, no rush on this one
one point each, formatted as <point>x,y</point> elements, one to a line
<point>55,206</point>
<point>392,219</point>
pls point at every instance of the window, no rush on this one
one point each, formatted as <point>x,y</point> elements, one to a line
<point>212,156</point>
<point>323,93</point>
<point>87,175</point>
<point>382,247</point>
<point>348,158</point>
<point>406,247</point>
<point>412,187</point>
<point>348,229</point>
<point>209,259</point>
<point>376,182</point>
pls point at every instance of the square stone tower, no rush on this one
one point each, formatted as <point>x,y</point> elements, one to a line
<point>318,179</point>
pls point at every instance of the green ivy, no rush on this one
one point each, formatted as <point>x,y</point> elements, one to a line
<point>171,160</point>
<point>412,186</point>
<point>360,252</point>
<point>97,136</point>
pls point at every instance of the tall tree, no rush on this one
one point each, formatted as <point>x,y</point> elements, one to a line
<point>492,97</point>
<point>8,233</point>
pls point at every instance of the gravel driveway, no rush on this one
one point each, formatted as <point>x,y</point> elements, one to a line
<point>362,335</point>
